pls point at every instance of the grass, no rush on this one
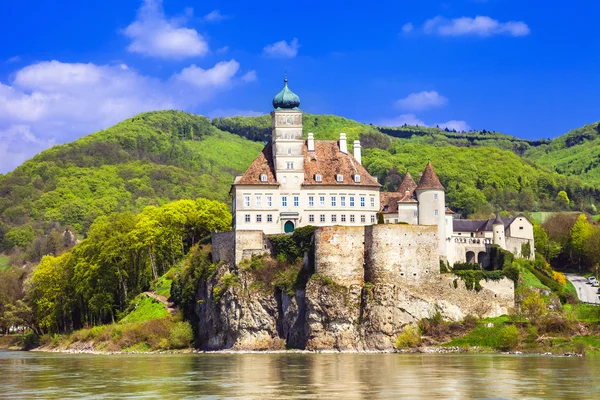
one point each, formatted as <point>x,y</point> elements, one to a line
<point>482,335</point>
<point>3,261</point>
<point>571,289</point>
<point>584,312</point>
<point>163,284</point>
<point>143,308</point>
<point>527,279</point>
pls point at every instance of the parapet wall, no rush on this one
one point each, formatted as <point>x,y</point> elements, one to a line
<point>339,254</point>
<point>248,243</point>
<point>400,253</point>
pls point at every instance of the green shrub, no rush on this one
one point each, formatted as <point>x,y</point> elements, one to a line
<point>409,338</point>
<point>181,335</point>
<point>508,338</point>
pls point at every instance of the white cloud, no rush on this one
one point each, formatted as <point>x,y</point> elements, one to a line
<point>478,26</point>
<point>152,34</point>
<point>421,101</point>
<point>13,59</point>
<point>282,49</point>
<point>404,119</point>
<point>219,75</point>
<point>408,27</point>
<point>459,126</point>
<point>214,16</point>
<point>250,76</point>
<point>54,102</point>
<point>223,49</point>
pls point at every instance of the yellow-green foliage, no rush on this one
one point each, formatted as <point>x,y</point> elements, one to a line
<point>409,338</point>
<point>163,284</point>
<point>533,307</point>
<point>144,308</point>
<point>3,261</point>
<point>559,277</point>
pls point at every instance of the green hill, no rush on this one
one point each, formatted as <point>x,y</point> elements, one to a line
<point>576,153</point>
<point>156,157</point>
<point>151,158</point>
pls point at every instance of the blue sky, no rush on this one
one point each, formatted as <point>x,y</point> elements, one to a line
<point>70,68</point>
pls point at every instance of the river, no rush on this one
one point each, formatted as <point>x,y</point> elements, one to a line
<point>307,376</point>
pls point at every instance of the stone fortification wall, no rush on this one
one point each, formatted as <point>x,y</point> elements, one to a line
<point>339,254</point>
<point>223,247</point>
<point>514,245</point>
<point>248,243</point>
<point>400,253</point>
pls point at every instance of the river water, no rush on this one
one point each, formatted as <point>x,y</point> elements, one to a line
<point>306,376</point>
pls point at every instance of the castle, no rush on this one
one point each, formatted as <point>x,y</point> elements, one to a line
<point>295,182</point>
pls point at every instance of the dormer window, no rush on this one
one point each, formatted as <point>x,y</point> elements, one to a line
<point>263,177</point>
<point>318,178</point>
<point>339,178</point>
<point>356,178</point>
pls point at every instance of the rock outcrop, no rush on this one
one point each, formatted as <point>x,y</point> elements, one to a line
<point>235,312</point>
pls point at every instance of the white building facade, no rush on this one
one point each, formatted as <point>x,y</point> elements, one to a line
<point>296,182</point>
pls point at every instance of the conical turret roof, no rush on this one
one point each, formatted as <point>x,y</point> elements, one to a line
<point>429,179</point>
<point>408,184</point>
<point>498,220</point>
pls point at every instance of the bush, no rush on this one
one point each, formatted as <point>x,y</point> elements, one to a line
<point>508,338</point>
<point>181,335</point>
<point>409,338</point>
<point>532,305</point>
<point>559,277</point>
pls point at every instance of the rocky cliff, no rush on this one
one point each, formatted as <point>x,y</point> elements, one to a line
<point>239,310</point>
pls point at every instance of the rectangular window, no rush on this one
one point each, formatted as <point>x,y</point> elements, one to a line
<point>247,218</point>
<point>284,201</point>
<point>333,201</point>
<point>322,218</point>
<point>351,217</point>
<point>351,201</point>
<point>269,218</point>
<point>362,202</point>
<point>372,202</point>
<point>334,218</point>
<point>311,218</point>
<point>415,213</point>
<point>246,201</point>
<point>311,201</point>
<point>259,218</point>
<point>343,218</point>
<point>296,201</point>
<point>435,212</point>
<point>258,201</point>
<point>269,201</point>
<point>435,196</point>
<point>362,219</point>
<point>322,201</point>
<point>396,221</point>
<point>342,201</point>
<point>372,219</point>
<point>290,165</point>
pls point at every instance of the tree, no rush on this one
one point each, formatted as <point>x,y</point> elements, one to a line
<point>563,199</point>
<point>580,234</point>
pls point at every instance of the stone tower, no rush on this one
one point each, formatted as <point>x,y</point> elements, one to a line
<point>288,156</point>
<point>431,196</point>
<point>498,232</point>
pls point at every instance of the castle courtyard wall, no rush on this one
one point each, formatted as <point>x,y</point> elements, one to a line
<point>339,254</point>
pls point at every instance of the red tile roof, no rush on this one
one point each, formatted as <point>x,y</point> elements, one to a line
<point>262,164</point>
<point>429,180</point>
<point>327,160</point>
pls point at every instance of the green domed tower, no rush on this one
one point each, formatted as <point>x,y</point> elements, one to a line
<point>286,99</point>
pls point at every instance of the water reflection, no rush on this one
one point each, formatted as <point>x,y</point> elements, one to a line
<point>307,376</point>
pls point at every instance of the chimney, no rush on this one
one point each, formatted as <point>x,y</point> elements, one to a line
<point>357,151</point>
<point>310,143</point>
<point>343,145</point>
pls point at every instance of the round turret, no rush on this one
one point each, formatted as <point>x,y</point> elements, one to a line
<point>498,232</point>
<point>286,99</point>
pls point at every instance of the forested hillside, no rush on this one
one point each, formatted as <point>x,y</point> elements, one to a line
<point>575,153</point>
<point>157,157</point>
